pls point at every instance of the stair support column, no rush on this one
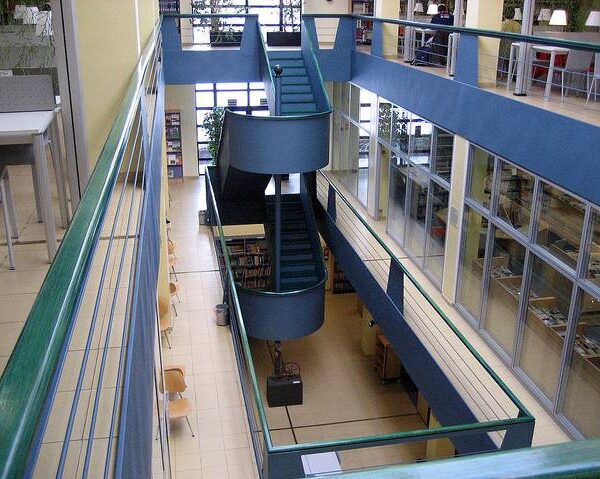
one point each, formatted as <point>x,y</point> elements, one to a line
<point>277,265</point>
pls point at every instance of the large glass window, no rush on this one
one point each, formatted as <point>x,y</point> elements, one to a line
<point>400,129</point>
<point>471,267</point>
<point>515,196</point>
<point>593,269</point>
<point>249,98</point>
<point>582,394</point>
<point>481,176</point>
<point>443,145</point>
<point>560,224</point>
<point>420,141</point>
<point>397,198</point>
<point>415,233</point>
<point>505,288</point>
<point>545,326</point>
<point>436,231</point>
<point>385,120</point>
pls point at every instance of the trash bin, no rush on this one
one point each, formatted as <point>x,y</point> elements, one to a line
<point>202,217</point>
<point>221,311</point>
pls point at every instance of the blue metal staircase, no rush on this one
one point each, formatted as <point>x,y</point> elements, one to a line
<point>298,266</point>
<point>296,91</point>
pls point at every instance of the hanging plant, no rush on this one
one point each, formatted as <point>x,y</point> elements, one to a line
<point>213,124</point>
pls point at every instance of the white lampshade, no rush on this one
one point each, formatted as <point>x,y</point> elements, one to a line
<point>544,15</point>
<point>419,7</point>
<point>432,9</point>
<point>593,19</point>
<point>518,14</point>
<point>559,17</point>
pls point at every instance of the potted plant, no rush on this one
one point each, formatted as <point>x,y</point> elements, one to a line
<point>222,31</point>
<point>213,124</point>
<point>289,36</point>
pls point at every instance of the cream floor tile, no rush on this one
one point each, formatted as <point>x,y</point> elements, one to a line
<point>9,333</point>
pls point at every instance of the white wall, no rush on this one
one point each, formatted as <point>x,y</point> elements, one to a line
<point>181,98</point>
<point>326,27</point>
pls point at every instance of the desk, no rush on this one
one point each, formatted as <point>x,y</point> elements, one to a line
<point>31,127</point>
<point>553,51</point>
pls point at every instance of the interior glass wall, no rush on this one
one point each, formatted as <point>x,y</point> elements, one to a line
<point>583,375</point>
<point>528,278</point>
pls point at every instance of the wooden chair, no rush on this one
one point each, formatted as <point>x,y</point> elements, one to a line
<point>172,263</point>
<point>175,385</point>
<point>174,290</point>
<point>171,247</point>
<point>165,324</point>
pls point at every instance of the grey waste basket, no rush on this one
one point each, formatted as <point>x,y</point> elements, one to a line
<point>221,313</point>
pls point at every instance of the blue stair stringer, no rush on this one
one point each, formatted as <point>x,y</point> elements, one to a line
<point>296,91</point>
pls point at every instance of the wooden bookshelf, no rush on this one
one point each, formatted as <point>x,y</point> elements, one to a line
<point>340,284</point>
<point>386,363</point>
<point>174,152</point>
<point>250,260</point>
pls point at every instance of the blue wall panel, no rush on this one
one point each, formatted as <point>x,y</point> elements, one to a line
<point>186,67</point>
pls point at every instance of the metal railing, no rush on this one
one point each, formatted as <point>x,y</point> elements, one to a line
<point>67,381</point>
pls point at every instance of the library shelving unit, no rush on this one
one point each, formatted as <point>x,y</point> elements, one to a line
<point>173,134</point>
<point>364,28</point>
<point>250,260</point>
<point>340,284</point>
<point>168,6</point>
<point>385,361</point>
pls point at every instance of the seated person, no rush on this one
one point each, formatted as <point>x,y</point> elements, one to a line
<point>440,39</point>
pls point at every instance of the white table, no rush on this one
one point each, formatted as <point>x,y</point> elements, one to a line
<point>553,51</point>
<point>31,128</point>
<point>424,32</point>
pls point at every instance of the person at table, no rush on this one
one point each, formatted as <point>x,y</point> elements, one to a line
<point>440,38</point>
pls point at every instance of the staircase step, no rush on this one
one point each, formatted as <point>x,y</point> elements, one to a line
<point>287,63</point>
<point>298,108</point>
<point>285,89</point>
<point>290,237</point>
<point>294,72</point>
<point>296,248</point>
<point>289,258</point>
<point>298,283</point>
<point>297,98</point>
<point>294,80</point>
<point>298,268</point>
<point>284,54</point>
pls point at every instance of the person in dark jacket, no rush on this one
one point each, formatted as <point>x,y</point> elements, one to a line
<point>440,39</point>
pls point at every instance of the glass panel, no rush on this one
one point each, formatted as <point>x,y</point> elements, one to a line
<point>205,99</point>
<point>516,196</point>
<point>260,113</point>
<point>351,178</point>
<point>420,141</point>
<point>354,102</point>
<point>344,157</point>
<point>256,96</point>
<point>256,85</point>
<point>583,381</point>
<point>397,201</point>
<point>385,120</point>
<point>367,101</point>
<point>436,235</point>
<point>593,270</point>
<point>204,86</point>
<point>471,267</point>
<point>364,148</point>
<point>482,170</point>
<point>560,224</point>
<point>442,153</point>
<point>545,323</point>
<point>506,277</point>
<point>232,86</point>
<point>415,234</point>
<point>400,128</point>
<point>345,97</point>
<point>202,135</point>
<point>240,98</point>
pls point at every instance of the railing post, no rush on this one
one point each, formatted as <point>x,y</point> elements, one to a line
<point>277,265</point>
<point>278,70</point>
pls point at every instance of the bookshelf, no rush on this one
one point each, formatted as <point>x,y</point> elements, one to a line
<point>340,284</point>
<point>168,6</point>
<point>173,135</point>
<point>364,28</point>
<point>386,363</point>
<point>250,260</point>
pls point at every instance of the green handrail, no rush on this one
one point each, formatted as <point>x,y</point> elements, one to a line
<point>25,382</point>
<point>522,409</point>
<point>516,37</point>
<point>580,459</point>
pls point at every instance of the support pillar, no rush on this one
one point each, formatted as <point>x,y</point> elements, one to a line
<point>388,9</point>
<point>486,14</point>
